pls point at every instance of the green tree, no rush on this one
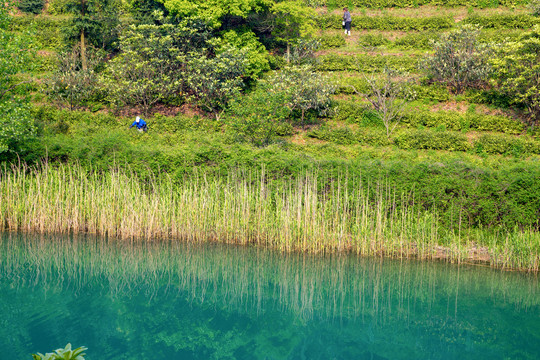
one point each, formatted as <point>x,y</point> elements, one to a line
<point>148,69</point>
<point>70,82</point>
<point>517,72</point>
<point>214,81</point>
<point>213,12</point>
<point>143,10</point>
<point>257,116</point>
<point>292,20</point>
<point>388,96</point>
<point>459,60</point>
<point>95,21</point>
<point>256,54</point>
<point>305,89</point>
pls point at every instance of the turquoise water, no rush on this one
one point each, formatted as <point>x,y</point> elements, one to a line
<point>176,301</point>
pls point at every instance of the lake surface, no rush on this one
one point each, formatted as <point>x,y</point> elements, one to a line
<point>177,301</point>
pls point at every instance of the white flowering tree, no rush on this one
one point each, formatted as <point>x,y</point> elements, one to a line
<point>214,81</point>
<point>147,70</point>
<point>305,89</point>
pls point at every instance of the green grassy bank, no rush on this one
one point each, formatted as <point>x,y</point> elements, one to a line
<point>312,212</point>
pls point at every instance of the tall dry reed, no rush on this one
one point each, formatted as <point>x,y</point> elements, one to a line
<point>304,214</point>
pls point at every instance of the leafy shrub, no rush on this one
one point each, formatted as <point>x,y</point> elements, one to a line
<point>331,41</point>
<point>378,4</point>
<point>256,53</point>
<point>374,40</point>
<point>497,36</point>
<point>534,6</point>
<point>31,6</point>
<point>503,21</point>
<point>148,69</point>
<point>459,60</point>
<point>48,31</point>
<point>57,7</point>
<point>305,90</point>
<point>333,21</point>
<point>303,52</point>
<point>144,10</point>
<point>345,136</point>
<point>349,84</point>
<point>71,83</point>
<point>355,113</point>
<point>366,63</point>
<point>258,116</point>
<point>53,120</point>
<point>431,92</point>
<point>335,62</point>
<point>373,137</point>
<point>17,128</point>
<point>500,144</point>
<point>63,354</point>
<point>426,139</point>
<point>342,136</point>
<point>348,111</point>
<point>496,123</point>
<point>516,72</point>
<point>452,120</point>
<point>215,81</point>
<point>419,40</point>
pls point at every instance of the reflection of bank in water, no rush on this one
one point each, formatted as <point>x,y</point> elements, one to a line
<point>256,280</point>
<point>387,307</point>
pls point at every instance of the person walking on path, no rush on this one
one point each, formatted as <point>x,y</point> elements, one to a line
<point>140,124</point>
<point>347,21</point>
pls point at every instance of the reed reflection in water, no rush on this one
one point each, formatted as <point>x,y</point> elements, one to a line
<point>175,300</point>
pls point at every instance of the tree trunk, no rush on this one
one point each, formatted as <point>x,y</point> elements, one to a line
<point>288,52</point>
<point>83,51</point>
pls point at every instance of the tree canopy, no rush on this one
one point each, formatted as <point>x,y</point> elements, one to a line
<point>213,11</point>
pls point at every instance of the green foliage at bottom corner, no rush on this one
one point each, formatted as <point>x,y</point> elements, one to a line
<point>63,354</point>
<point>431,140</point>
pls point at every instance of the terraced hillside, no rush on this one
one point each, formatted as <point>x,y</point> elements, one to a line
<point>438,119</point>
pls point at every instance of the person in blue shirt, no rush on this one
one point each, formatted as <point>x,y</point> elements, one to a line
<point>140,124</point>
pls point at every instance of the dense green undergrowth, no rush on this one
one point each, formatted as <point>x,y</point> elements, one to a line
<point>487,191</point>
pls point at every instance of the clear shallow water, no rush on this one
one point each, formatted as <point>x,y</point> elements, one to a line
<point>174,301</point>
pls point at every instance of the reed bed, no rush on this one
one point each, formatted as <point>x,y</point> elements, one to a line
<point>302,214</point>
